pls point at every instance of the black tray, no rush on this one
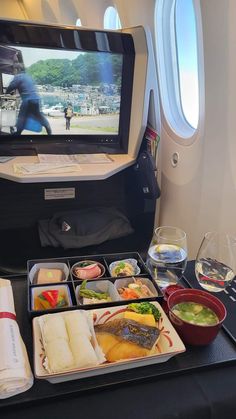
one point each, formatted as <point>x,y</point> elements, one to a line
<point>73,282</point>
<point>221,352</point>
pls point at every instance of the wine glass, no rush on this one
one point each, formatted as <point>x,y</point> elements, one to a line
<point>215,262</point>
<point>167,255</point>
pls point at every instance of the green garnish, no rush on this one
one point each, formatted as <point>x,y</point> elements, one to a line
<point>119,267</point>
<point>61,303</point>
<point>145,308</point>
<point>85,292</point>
<point>85,264</point>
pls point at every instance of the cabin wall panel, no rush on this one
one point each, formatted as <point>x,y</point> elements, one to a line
<point>12,9</point>
<point>45,11</point>
<point>91,12</point>
<point>136,12</point>
<point>67,12</point>
<point>206,200</point>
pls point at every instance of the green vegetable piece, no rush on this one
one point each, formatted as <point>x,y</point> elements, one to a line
<point>85,292</point>
<point>83,285</point>
<point>84,264</point>
<point>145,308</point>
<point>61,303</point>
<point>121,265</point>
<point>41,296</point>
<point>93,294</point>
<point>197,308</point>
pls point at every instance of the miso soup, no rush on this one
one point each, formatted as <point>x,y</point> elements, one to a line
<point>195,313</point>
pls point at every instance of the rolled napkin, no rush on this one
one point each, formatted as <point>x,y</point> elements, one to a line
<point>15,372</point>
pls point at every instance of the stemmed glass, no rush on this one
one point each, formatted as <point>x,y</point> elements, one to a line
<point>167,255</point>
<point>215,261</point>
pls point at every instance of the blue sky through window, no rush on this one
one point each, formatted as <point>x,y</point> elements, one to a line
<point>111,19</point>
<point>186,40</point>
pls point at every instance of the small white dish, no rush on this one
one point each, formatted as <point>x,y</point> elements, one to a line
<point>63,290</point>
<point>80,265</point>
<point>124,283</point>
<point>48,265</point>
<point>117,263</point>
<point>98,286</point>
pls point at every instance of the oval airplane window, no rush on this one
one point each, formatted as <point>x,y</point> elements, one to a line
<point>186,46</point>
<point>111,18</point>
<point>178,37</point>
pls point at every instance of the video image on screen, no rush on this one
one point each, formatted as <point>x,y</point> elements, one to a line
<point>56,92</point>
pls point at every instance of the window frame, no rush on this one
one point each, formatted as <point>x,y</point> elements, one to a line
<point>175,121</point>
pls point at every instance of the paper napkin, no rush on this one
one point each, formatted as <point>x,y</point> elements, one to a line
<point>15,372</point>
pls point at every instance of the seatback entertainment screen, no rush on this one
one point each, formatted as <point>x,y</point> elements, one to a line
<point>47,91</point>
<point>64,89</point>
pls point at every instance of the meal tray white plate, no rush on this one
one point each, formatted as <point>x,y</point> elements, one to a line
<point>168,345</point>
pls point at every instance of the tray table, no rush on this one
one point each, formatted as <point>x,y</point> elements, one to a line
<point>221,352</point>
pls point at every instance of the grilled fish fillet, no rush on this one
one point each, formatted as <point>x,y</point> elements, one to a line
<point>130,331</point>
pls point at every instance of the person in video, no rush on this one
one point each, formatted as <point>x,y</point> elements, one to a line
<point>68,111</point>
<point>30,100</point>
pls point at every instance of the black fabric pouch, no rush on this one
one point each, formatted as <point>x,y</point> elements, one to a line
<point>85,227</point>
<point>145,170</point>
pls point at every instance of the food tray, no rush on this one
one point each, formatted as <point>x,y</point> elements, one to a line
<point>74,283</point>
<point>220,352</point>
<point>168,345</point>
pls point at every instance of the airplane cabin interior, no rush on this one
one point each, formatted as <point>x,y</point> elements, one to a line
<point>117,215</point>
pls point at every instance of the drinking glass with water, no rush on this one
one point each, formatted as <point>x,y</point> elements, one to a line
<point>215,262</point>
<point>167,255</point>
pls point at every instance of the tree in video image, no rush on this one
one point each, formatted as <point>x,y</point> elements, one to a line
<point>88,87</point>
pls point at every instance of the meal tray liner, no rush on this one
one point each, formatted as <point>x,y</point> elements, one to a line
<point>228,298</point>
<point>221,352</point>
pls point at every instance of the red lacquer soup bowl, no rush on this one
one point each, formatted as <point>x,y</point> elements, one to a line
<point>190,333</point>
